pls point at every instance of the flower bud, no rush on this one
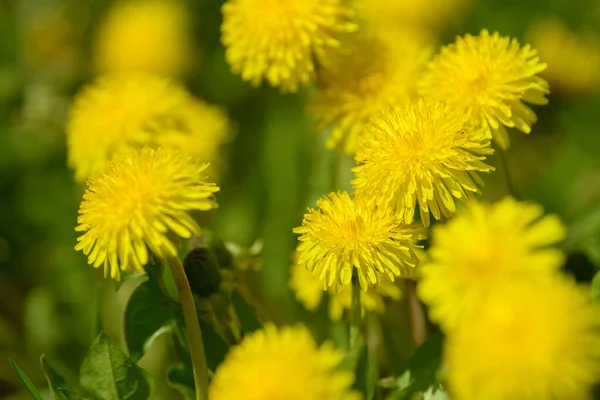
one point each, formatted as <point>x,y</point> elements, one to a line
<point>202,270</point>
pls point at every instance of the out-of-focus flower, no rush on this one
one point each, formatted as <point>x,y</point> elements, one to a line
<point>145,35</point>
<point>421,152</point>
<point>140,201</point>
<point>411,12</point>
<point>309,291</point>
<point>279,41</point>
<point>357,83</point>
<point>282,363</point>
<point>488,77</point>
<point>573,60</point>
<point>120,112</point>
<point>530,342</point>
<point>345,233</point>
<point>482,247</point>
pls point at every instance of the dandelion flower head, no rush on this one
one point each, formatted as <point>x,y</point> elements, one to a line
<point>532,341</point>
<point>573,59</point>
<point>309,291</point>
<point>344,234</point>
<point>421,152</point>
<point>488,77</point>
<point>482,246</point>
<point>140,201</point>
<point>277,40</point>
<point>119,112</point>
<point>282,363</point>
<point>359,82</point>
<point>145,36</point>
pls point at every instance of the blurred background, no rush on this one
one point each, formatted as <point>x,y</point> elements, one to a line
<point>274,166</point>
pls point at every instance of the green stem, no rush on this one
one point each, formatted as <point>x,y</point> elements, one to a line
<point>355,313</point>
<point>192,327</point>
<point>509,182</point>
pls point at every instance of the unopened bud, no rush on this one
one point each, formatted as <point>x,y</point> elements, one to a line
<point>202,270</point>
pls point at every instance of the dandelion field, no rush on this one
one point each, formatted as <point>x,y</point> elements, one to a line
<point>299,199</point>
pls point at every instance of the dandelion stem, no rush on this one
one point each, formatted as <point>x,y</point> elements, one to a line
<point>192,327</point>
<point>509,182</point>
<point>418,323</point>
<point>355,312</point>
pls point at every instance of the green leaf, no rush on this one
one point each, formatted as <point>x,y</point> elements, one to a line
<point>108,374</point>
<point>420,372</point>
<point>181,377</point>
<point>32,389</point>
<point>148,315</point>
<point>596,288</point>
<point>71,395</point>
<point>55,380</point>
<point>363,372</point>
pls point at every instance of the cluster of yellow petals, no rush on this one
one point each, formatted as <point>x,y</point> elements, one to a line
<point>532,341</point>
<point>482,247</point>
<point>282,363</point>
<point>145,36</point>
<point>573,58</point>
<point>140,201</point>
<point>359,82</point>
<point>279,40</point>
<point>309,291</point>
<point>487,78</point>
<point>348,235</point>
<point>423,152</point>
<point>117,113</point>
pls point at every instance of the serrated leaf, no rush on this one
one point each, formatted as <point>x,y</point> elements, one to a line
<point>26,381</point>
<point>108,374</point>
<point>55,380</point>
<point>147,316</point>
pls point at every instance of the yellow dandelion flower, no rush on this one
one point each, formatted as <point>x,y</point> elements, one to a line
<point>573,59</point>
<point>421,152</point>
<point>488,77</point>
<point>140,201</point>
<point>309,291</point>
<point>282,46</point>
<point>359,83</point>
<point>282,363</point>
<point>483,246</point>
<point>347,233</point>
<point>145,35</point>
<point>531,342</point>
<point>119,112</point>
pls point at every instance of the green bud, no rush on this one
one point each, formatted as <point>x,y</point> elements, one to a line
<point>213,242</point>
<point>202,270</point>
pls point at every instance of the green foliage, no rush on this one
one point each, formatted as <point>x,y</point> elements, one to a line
<point>30,387</point>
<point>181,377</point>
<point>363,372</point>
<point>420,372</point>
<point>108,374</point>
<point>55,381</point>
<point>71,395</point>
<point>148,315</point>
<point>596,288</point>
